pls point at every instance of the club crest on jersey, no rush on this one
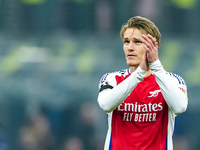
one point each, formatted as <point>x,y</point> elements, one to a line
<point>154,93</point>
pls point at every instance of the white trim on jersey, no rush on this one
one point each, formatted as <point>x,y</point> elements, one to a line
<point>170,129</point>
<point>109,133</point>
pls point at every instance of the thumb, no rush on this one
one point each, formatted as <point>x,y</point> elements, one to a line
<point>144,57</point>
<point>144,64</point>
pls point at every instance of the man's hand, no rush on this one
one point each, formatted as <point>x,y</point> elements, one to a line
<point>144,64</point>
<point>151,48</point>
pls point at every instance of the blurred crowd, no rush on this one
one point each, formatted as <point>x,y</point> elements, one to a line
<point>52,56</point>
<point>48,129</point>
<point>95,16</point>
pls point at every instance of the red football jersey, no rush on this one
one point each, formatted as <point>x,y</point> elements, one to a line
<point>141,121</point>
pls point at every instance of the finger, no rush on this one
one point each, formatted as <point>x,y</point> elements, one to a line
<point>151,42</point>
<point>145,47</point>
<point>144,55</point>
<point>144,63</point>
<point>147,41</point>
<point>146,38</point>
<point>153,39</point>
<point>145,44</point>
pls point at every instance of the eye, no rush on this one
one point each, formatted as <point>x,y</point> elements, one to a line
<point>138,42</point>
<point>126,41</point>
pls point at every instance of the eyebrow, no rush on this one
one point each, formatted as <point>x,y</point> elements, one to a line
<point>134,38</point>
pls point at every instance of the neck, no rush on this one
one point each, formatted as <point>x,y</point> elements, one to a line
<point>148,73</point>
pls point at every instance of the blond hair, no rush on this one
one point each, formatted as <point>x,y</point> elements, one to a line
<point>143,24</point>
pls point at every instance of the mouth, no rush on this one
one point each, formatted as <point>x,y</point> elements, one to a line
<point>131,56</point>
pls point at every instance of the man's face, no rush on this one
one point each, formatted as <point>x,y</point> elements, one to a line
<point>133,48</point>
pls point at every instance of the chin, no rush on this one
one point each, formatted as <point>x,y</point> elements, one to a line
<point>132,64</point>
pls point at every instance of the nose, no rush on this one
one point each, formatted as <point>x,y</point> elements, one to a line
<point>131,46</point>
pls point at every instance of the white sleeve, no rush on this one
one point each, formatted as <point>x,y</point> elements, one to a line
<point>173,90</point>
<point>111,98</point>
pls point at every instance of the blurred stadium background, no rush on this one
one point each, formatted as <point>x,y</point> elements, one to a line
<point>54,52</point>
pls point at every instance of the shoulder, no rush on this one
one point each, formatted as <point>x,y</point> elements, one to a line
<point>176,78</point>
<point>111,75</point>
<point>108,79</point>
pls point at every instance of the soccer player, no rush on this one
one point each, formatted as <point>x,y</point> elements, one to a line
<point>141,102</point>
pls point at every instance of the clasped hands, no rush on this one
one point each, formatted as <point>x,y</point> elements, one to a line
<point>151,51</point>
